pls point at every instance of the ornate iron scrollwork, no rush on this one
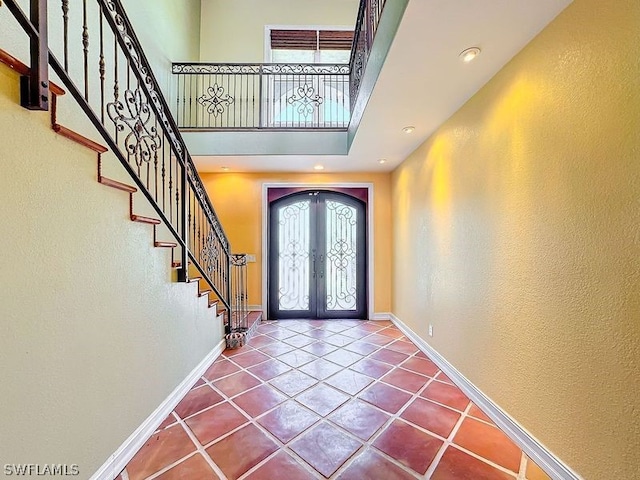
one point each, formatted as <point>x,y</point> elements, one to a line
<point>341,262</point>
<point>305,100</point>
<point>210,254</point>
<point>135,114</point>
<point>357,72</point>
<point>141,67</point>
<point>239,259</point>
<point>215,100</point>
<point>306,69</point>
<point>215,68</point>
<point>266,68</point>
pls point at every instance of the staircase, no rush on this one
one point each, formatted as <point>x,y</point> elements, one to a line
<point>56,92</point>
<point>124,103</point>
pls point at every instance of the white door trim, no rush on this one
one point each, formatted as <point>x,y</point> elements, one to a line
<point>265,240</point>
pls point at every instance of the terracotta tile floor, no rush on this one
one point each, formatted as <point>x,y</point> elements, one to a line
<point>338,399</point>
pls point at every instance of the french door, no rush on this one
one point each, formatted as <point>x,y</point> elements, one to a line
<point>317,256</point>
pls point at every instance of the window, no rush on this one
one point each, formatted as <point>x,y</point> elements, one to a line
<point>302,45</point>
<point>301,97</point>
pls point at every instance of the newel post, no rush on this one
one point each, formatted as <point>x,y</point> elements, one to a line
<point>34,89</point>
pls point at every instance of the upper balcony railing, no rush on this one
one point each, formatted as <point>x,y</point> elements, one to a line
<point>369,15</point>
<point>248,96</point>
<point>252,96</point>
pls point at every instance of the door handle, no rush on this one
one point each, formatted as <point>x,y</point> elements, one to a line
<point>321,266</point>
<point>313,259</point>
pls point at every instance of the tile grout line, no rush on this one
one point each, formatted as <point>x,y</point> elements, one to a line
<point>369,443</point>
<point>199,447</point>
<point>364,444</point>
<point>447,442</point>
<point>324,419</point>
<point>253,420</point>
<point>464,414</point>
<point>392,418</point>
<point>414,395</point>
<point>321,420</point>
<point>202,449</point>
<point>480,457</point>
<point>523,467</point>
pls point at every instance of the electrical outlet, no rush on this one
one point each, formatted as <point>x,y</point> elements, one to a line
<point>430,330</point>
<point>251,258</point>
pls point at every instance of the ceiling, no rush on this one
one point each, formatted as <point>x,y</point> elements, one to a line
<point>423,81</point>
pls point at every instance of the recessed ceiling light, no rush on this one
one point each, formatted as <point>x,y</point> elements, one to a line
<point>224,169</point>
<point>469,54</point>
<point>409,129</point>
<point>319,167</point>
<point>382,160</point>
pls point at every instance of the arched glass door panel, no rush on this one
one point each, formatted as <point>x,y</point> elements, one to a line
<point>317,256</point>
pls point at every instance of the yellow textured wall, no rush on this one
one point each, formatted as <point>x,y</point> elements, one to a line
<point>94,334</point>
<point>517,235</point>
<point>237,198</point>
<point>233,31</point>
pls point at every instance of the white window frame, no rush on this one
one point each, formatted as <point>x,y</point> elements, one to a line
<point>267,36</point>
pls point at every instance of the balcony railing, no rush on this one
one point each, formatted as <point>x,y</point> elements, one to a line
<point>257,96</point>
<point>247,96</point>
<point>369,15</point>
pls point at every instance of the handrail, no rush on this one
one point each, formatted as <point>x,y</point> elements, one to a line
<point>138,128</point>
<point>255,67</point>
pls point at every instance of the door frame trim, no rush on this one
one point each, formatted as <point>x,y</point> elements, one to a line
<point>265,229</point>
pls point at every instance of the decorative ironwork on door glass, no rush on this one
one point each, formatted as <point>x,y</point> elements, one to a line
<point>294,256</point>
<point>342,250</point>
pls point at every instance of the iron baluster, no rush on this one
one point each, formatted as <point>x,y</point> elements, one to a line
<point>85,49</point>
<point>170,197</point>
<point>183,273</point>
<point>65,28</point>
<point>155,167</point>
<point>260,98</point>
<point>116,87</point>
<point>163,171</point>
<point>102,65</point>
<point>191,91</point>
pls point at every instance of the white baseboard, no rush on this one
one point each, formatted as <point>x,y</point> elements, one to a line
<point>381,316</point>
<point>555,468</point>
<point>123,455</point>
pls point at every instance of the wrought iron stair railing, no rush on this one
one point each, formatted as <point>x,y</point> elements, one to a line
<point>273,96</point>
<point>109,76</point>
